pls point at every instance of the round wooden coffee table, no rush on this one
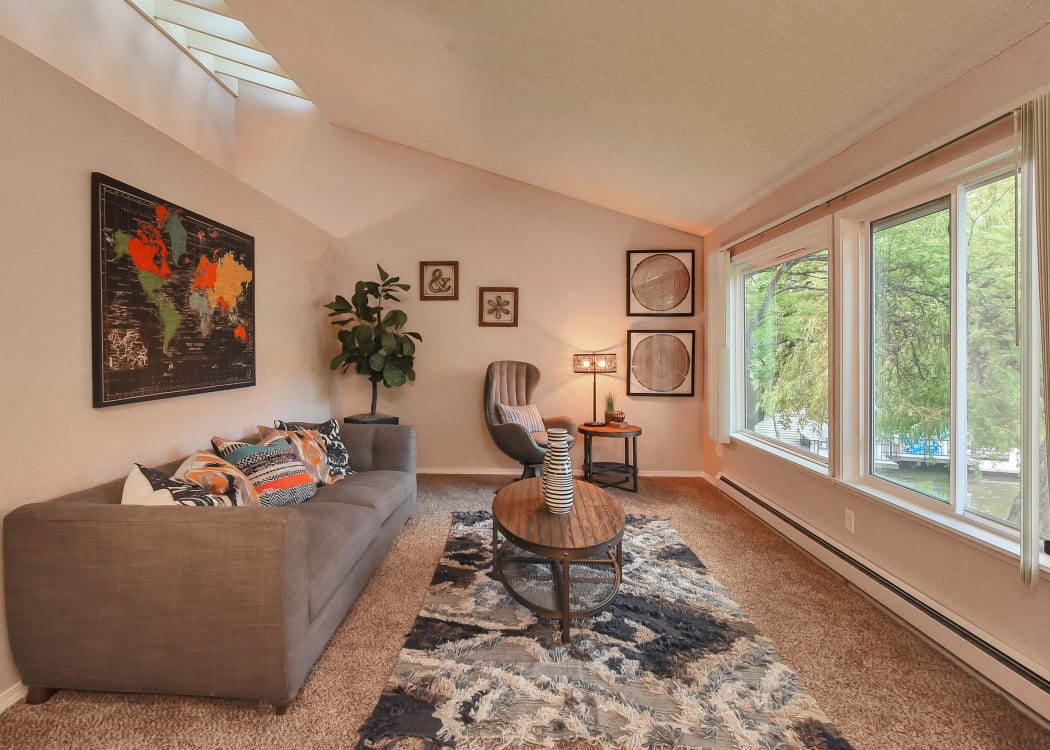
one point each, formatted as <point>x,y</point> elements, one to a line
<point>560,566</point>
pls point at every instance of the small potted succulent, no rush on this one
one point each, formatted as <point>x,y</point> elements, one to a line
<point>611,415</point>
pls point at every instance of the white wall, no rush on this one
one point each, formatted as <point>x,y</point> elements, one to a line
<point>977,586</point>
<point>397,206</point>
<point>53,134</point>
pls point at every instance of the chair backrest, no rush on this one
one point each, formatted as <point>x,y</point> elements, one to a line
<point>511,383</point>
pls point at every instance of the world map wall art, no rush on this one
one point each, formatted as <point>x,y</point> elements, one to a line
<point>173,299</point>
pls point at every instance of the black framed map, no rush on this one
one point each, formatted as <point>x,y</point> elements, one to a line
<point>173,299</point>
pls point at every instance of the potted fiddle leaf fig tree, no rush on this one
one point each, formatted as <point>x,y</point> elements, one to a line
<point>372,338</point>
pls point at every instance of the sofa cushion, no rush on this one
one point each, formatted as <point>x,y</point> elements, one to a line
<point>218,477</point>
<point>338,455</point>
<point>337,535</point>
<point>275,470</point>
<point>381,490</point>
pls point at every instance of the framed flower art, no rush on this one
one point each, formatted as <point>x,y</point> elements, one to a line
<point>498,306</point>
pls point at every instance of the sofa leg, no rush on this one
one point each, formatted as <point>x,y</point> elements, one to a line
<point>36,694</point>
<point>280,708</point>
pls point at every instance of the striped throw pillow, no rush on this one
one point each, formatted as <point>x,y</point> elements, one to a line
<point>274,470</point>
<point>528,416</point>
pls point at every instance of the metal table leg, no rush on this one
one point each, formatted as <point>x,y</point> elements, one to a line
<point>565,603</point>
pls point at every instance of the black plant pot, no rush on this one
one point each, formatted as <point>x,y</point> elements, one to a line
<point>370,419</point>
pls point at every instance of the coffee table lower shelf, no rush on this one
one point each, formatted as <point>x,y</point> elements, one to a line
<point>566,589</point>
<point>559,565</point>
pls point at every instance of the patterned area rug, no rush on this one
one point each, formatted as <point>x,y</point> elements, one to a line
<point>673,662</point>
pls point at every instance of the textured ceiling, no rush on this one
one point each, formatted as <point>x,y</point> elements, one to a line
<point>682,112</point>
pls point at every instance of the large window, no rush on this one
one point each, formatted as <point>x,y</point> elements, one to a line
<point>932,407</point>
<point>993,354</point>
<point>945,355</point>
<point>785,354</point>
<point>911,348</point>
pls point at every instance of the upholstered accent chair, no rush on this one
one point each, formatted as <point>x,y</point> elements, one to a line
<point>512,384</point>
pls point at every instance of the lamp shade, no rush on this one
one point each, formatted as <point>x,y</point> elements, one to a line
<point>593,363</point>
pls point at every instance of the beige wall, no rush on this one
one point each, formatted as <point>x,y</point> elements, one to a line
<point>385,202</point>
<point>53,134</point>
<point>397,206</point>
<point>978,587</point>
<point>388,203</point>
<point>568,261</point>
<point>106,45</point>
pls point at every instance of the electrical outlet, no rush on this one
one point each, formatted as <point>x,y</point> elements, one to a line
<point>849,521</point>
<point>718,449</point>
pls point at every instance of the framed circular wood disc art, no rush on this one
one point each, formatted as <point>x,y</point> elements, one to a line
<point>660,363</point>
<point>660,282</point>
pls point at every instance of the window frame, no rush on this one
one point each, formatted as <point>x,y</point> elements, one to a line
<point>808,239</point>
<point>846,235</point>
<point>952,180</point>
<point>902,216</point>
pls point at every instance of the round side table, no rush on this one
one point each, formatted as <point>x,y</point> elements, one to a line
<point>612,473</point>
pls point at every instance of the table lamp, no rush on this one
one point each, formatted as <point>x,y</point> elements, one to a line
<point>594,363</point>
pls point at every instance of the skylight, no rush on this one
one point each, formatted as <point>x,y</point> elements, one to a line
<point>211,34</point>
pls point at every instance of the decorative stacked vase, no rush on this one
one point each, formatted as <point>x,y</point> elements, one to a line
<point>557,472</point>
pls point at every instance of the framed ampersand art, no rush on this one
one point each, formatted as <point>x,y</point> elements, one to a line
<point>438,280</point>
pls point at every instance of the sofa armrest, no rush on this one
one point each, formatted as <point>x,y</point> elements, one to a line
<point>381,446</point>
<point>155,599</point>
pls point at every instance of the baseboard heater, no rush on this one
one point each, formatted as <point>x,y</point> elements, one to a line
<point>1005,659</point>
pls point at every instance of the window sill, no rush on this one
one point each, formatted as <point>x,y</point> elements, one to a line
<point>797,458</point>
<point>976,533</point>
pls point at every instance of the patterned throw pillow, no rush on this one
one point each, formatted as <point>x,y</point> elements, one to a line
<point>218,477</point>
<point>528,416</point>
<point>309,445</point>
<point>338,455</point>
<point>146,486</point>
<point>275,470</point>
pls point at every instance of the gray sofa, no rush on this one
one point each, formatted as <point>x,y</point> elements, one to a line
<point>234,602</point>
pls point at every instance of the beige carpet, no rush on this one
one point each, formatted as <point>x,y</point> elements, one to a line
<point>883,687</point>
